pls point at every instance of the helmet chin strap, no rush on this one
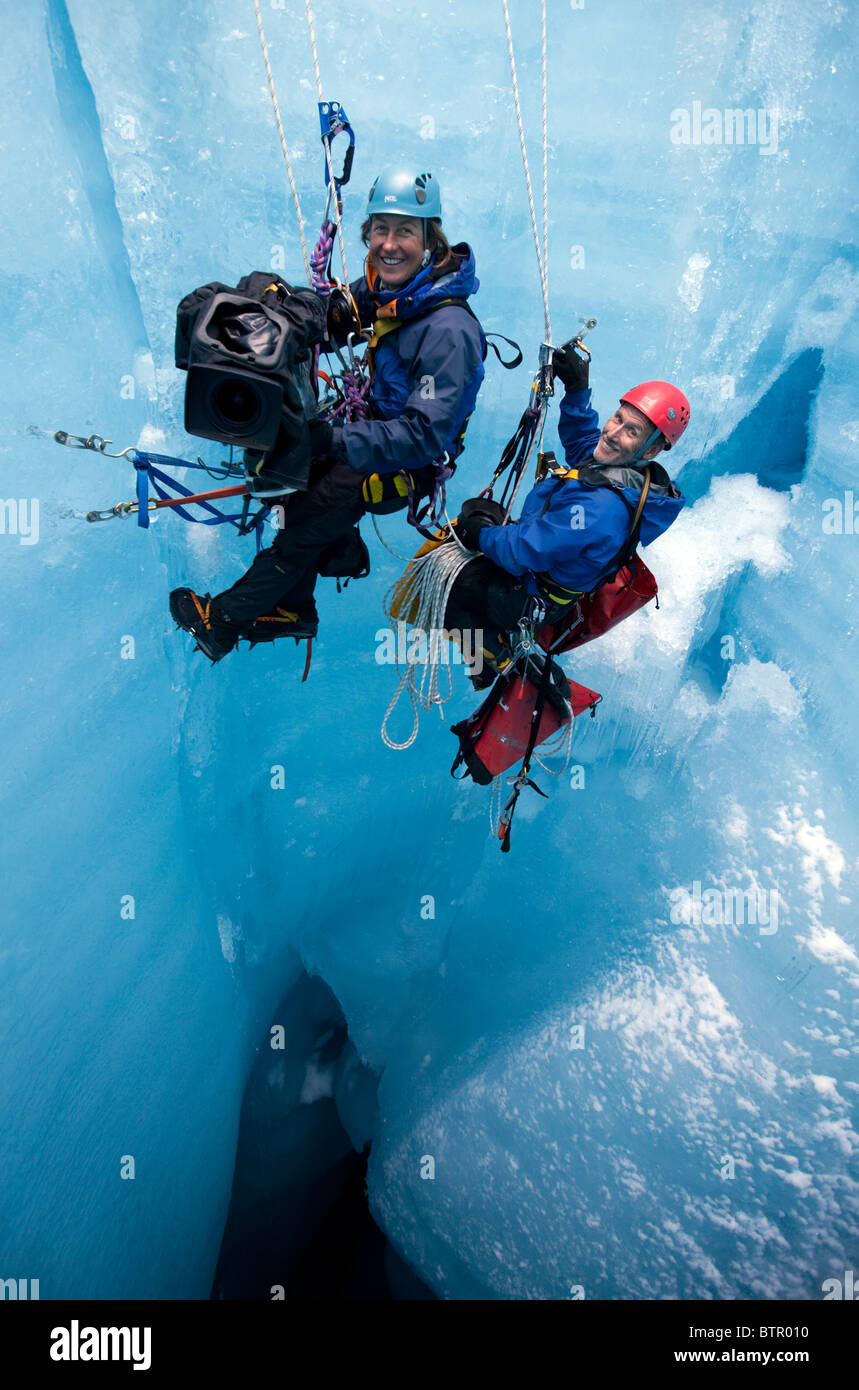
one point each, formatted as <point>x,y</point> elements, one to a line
<point>425,258</point>
<point>637,457</point>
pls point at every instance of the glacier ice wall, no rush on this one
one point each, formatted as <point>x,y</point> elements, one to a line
<point>140,159</point>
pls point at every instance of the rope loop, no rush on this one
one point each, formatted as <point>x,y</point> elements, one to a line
<point>424,592</point>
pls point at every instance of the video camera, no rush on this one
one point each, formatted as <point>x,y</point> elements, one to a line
<point>248,352</point>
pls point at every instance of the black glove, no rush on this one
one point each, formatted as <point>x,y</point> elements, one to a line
<point>474,514</point>
<point>321,437</point>
<point>570,368</point>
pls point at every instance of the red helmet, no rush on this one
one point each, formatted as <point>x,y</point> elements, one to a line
<point>664,405</point>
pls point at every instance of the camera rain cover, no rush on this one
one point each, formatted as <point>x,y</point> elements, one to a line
<point>248,353</point>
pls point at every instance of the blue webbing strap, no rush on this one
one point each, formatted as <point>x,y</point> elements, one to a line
<point>142,491</point>
<point>147,472</point>
<point>158,478</point>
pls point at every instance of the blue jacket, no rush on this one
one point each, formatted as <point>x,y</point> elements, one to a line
<point>583,526</point>
<point>426,373</point>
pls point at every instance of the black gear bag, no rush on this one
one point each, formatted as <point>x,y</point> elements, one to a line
<point>348,558</point>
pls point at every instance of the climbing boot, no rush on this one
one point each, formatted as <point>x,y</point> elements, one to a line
<point>193,612</point>
<point>283,622</point>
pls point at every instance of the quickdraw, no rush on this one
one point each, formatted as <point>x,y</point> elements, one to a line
<point>150,472</point>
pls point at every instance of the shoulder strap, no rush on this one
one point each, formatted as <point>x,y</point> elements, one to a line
<point>511,342</point>
<point>630,545</point>
<point>464,304</point>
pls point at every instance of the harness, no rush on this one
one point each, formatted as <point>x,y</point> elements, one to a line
<point>388,492</point>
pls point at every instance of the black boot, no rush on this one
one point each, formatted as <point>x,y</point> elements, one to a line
<point>193,612</point>
<point>283,621</point>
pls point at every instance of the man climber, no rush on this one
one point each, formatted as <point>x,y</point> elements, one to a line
<point>574,523</point>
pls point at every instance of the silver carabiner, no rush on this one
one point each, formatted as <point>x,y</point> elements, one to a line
<point>526,645</point>
<point>95,442</point>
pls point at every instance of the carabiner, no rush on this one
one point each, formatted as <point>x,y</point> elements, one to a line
<point>353,361</point>
<point>118,510</point>
<point>95,442</point>
<point>526,644</point>
<point>577,340</point>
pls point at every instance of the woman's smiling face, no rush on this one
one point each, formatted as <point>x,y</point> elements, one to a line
<point>396,247</point>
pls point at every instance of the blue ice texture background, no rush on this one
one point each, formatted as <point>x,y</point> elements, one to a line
<point>623,1096</point>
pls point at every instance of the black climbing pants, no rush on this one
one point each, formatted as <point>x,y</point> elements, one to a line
<point>285,572</point>
<point>486,598</point>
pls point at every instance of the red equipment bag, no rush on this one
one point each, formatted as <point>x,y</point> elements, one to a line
<point>496,736</point>
<point>597,612</point>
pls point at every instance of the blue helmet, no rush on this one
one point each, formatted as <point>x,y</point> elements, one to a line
<point>405,193</point>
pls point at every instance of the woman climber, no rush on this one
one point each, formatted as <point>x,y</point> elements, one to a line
<point>426,353</point>
<point>574,524</point>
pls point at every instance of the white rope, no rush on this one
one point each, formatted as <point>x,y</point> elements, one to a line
<point>283,142</point>
<point>496,795</point>
<point>545,171</point>
<point>563,743</point>
<point>544,284</point>
<point>407,559</point>
<point>425,588</point>
<point>327,144</point>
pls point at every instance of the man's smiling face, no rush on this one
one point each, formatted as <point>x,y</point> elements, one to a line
<point>623,435</point>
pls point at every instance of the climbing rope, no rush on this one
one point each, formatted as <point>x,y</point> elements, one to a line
<point>545,114</point>
<point>406,559</point>
<point>532,424</point>
<point>353,383</point>
<point>425,590</point>
<point>496,799</point>
<point>542,261</point>
<point>327,143</point>
<point>274,103</point>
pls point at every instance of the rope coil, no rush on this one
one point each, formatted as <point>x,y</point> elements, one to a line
<point>425,590</point>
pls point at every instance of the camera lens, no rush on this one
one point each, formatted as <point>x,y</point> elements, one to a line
<point>237,404</point>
